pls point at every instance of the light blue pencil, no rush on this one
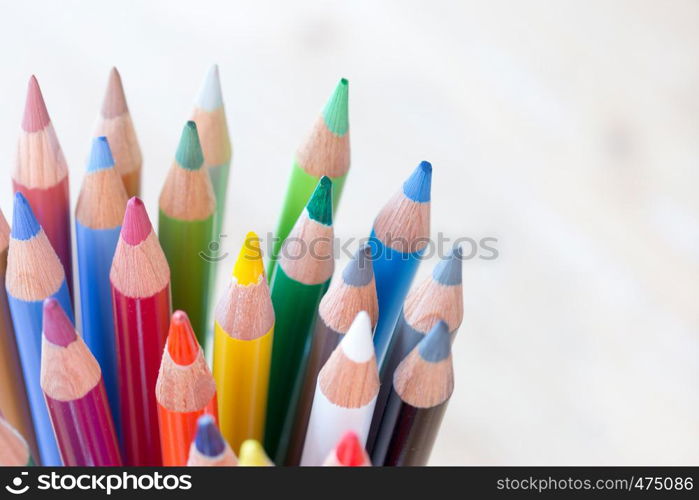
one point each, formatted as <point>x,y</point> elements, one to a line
<point>34,273</point>
<point>398,239</point>
<point>98,216</point>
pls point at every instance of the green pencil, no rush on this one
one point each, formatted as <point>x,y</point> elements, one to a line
<point>186,224</point>
<point>326,152</point>
<point>299,282</point>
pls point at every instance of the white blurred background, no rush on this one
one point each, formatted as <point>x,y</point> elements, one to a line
<point>567,130</point>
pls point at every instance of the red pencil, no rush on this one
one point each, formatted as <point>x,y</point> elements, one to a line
<point>75,395</point>
<point>41,175</point>
<point>140,279</point>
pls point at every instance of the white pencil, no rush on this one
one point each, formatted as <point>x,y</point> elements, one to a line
<point>345,393</point>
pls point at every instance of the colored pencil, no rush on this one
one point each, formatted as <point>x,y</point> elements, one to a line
<point>210,117</point>
<point>209,449</point>
<point>438,297</point>
<point>41,175</point>
<point>422,386</point>
<point>398,238</point>
<point>253,455</point>
<point>354,290</point>
<point>185,229</point>
<point>13,394</point>
<point>115,123</point>
<point>14,450</point>
<point>98,216</point>
<point>345,394</point>
<point>299,281</point>
<point>75,395</point>
<point>185,390</point>
<point>349,452</point>
<point>140,279</point>
<point>34,273</point>
<point>243,333</point>
<point>326,152</point>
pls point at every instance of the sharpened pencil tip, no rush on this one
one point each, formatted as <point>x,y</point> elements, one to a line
<point>189,154</point>
<point>114,103</point>
<point>209,97</point>
<point>360,270</point>
<point>320,204</point>
<point>436,345</point>
<point>357,343</point>
<point>248,267</point>
<point>182,344</point>
<point>24,223</point>
<point>57,327</point>
<point>448,270</point>
<point>36,116</point>
<point>335,113</point>
<point>136,226</point>
<point>350,451</point>
<point>100,155</point>
<point>253,455</point>
<point>208,439</point>
<point>418,186</point>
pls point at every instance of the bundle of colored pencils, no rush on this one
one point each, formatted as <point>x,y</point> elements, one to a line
<point>303,370</point>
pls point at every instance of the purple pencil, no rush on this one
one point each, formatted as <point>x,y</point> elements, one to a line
<point>75,395</point>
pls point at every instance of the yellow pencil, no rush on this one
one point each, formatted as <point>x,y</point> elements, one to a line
<point>243,329</point>
<point>253,455</point>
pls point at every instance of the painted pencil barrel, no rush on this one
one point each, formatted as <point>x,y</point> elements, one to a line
<point>52,209</point>
<point>13,394</point>
<point>95,252</point>
<point>27,320</point>
<point>141,327</point>
<point>182,242</point>
<point>241,371</point>
<point>219,179</point>
<point>295,306</point>
<point>181,427</point>
<point>324,342</point>
<point>301,186</point>
<point>84,429</point>
<point>407,433</point>
<point>327,425</point>
<point>394,273</point>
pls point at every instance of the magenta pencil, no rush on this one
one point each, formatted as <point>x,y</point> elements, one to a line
<point>76,399</point>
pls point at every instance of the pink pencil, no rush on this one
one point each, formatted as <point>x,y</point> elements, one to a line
<point>41,175</point>
<point>75,395</point>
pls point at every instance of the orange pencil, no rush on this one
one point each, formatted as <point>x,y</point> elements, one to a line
<point>185,390</point>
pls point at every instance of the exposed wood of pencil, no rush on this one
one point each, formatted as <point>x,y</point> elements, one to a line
<point>301,264</point>
<point>14,451</point>
<point>102,200</point>
<point>115,123</point>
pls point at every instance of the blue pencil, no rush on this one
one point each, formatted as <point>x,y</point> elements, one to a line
<point>34,273</point>
<point>398,240</point>
<point>98,217</point>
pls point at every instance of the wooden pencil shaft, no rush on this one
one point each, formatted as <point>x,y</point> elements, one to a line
<point>295,306</point>
<point>141,327</point>
<point>407,433</point>
<point>182,243</point>
<point>323,343</point>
